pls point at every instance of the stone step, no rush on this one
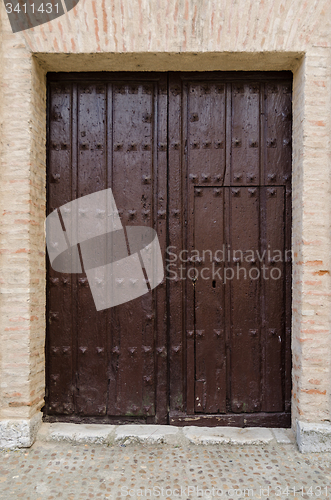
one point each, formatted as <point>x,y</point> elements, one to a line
<point>162,434</point>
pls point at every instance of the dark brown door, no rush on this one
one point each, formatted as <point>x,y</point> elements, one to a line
<point>205,159</point>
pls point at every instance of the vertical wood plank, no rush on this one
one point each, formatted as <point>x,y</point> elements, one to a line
<point>209,296</point>
<point>59,399</point>
<point>162,215</point>
<point>91,324</point>
<point>133,184</point>
<point>288,297</point>
<point>177,342</point>
<point>245,143</point>
<point>274,280</point>
<point>245,300</point>
<point>278,116</point>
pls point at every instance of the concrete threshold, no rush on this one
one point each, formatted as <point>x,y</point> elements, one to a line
<point>162,434</point>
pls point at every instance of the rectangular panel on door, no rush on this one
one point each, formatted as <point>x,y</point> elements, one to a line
<point>238,287</point>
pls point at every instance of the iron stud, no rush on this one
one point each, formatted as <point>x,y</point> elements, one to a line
<point>146,179</point>
<point>205,177</point>
<point>175,90</point>
<point>194,117</point>
<point>237,177</point>
<point>162,214</point>
<point>132,146</point>
<point>147,118</point>
<point>272,143</point>
<point>55,178</point>
<point>147,379</point>
<point>271,192</point>
<point>176,348</point>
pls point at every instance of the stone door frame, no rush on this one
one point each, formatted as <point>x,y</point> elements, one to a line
<point>22,399</point>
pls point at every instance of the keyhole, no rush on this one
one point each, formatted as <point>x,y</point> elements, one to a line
<point>214,283</point>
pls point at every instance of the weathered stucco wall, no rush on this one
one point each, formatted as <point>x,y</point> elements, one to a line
<point>193,35</point>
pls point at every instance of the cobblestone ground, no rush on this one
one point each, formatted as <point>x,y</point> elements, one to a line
<point>60,470</point>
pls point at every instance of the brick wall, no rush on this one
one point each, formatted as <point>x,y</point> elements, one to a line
<point>311,240</point>
<point>22,234</point>
<point>2,309</point>
<point>165,35</point>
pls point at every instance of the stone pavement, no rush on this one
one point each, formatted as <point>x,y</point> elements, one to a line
<point>133,465</point>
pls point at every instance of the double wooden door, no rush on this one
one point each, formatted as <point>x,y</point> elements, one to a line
<point>204,159</point>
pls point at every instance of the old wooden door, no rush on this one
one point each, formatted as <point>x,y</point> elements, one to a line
<point>205,159</point>
<point>230,341</point>
<point>104,133</point>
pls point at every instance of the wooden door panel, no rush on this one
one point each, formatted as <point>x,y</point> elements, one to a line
<point>245,134</point>
<point>91,388</point>
<point>278,133</point>
<point>61,287</point>
<point>210,355</point>
<point>205,159</point>
<point>181,341</point>
<point>243,318</point>
<point>107,132</point>
<point>205,132</point>
<point>132,174</point>
<point>273,291</point>
<point>236,132</point>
